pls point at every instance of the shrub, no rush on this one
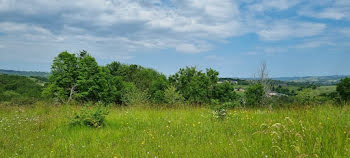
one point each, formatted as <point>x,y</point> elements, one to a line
<point>132,95</point>
<point>91,117</point>
<point>172,96</point>
<point>220,112</point>
<point>305,97</point>
<point>254,95</point>
<point>343,88</point>
<point>224,92</point>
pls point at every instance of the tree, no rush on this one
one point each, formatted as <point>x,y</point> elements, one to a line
<point>195,86</point>
<point>254,95</point>
<point>343,88</point>
<point>145,80</point>
<point>89,74</point>
<point>80,77</point>
<point>224,92</point>
<point>63,78</point>
<point>158,89</point>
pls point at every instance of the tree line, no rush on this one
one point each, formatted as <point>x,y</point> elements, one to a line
<point>78,77</point>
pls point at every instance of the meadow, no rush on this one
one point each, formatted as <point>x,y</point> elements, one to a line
<point>43,130</point>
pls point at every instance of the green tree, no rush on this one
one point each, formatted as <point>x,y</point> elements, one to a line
<point>145,80</point>
<point>194,85</point>
<point>343,88</point>
<point>224,92</point>
<point>254,95</point>
<point>63,78</point>
<point>88,78</point>
<point>158,89</point>
<point>83,79</point>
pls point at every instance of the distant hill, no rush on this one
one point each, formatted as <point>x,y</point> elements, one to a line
<point>323,80</point>
<point>25,73</point>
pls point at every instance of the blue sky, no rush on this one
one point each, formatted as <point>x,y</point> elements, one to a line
<point>294,38</point>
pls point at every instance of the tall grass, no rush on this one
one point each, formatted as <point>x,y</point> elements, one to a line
<point>43,131</point>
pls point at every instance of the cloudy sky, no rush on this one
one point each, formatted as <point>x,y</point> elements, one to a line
<point>294,37</point>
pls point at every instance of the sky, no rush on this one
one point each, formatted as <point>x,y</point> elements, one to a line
<point>293,37</point>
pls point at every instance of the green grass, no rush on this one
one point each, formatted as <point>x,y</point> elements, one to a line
<point>43,131</point>
<point>326,89</point>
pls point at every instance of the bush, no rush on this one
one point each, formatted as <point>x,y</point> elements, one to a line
<point>91,117</point>
<point>132,95</point>
<point>220,110</point>
<point>254,95</point>
<point>305,97</point>
<point>172,96</point>
<point>224,92</point>
<point>343,88</point>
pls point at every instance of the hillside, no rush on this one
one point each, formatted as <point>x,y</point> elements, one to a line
<point>323,80</point>
<point>25,73</point>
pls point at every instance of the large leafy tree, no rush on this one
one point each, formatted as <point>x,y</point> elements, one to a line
<point>145,80</point>
<point>194,85</point>
<point>80,77</point>
<point>87,85</point>
<point>63,78</point>
<point>343,88</point>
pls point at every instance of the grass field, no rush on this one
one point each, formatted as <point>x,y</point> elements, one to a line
<point>43,131</point>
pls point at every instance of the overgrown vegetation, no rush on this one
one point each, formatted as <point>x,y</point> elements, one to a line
<point>42,131</point>
<point>90,116</point>
<point>78,77</point>
<point>191,113</point>
<point>18,90</point>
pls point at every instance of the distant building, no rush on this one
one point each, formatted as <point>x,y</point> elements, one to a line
<point>229,81</point>
<point>276,94</point>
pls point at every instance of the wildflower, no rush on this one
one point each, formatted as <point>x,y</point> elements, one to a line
<point>199,123</point>
<point>143,142</point>
<point>194,125</point>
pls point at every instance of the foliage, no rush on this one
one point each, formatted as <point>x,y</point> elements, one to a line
<point>146,80</point>
<point>254,95</point>
<point>224,92</point>
<point>305,97</point>
<point>343,88</point>
<point>220,112</point>
<point>82,79</point>
<point>131,95</point>
<point>173,97</point>
<point>63,78</point>
<point>19,89</point>
<point>91,117</point>
<point>195,86</point>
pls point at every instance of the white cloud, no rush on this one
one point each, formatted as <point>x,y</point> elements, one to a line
<point>290,29</point>
<point>164,24</point>
<point>336,10</point>
<point>273,4</point>
<point>315,44</point>
<point>119,26</point>
<point>190,48</point>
